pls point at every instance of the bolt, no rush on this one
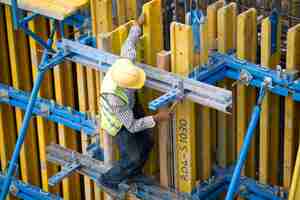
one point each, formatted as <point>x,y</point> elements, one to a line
<point>13,189</point>
<point>4,94</point>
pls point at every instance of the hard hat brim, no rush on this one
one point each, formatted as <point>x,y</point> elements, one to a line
<point>138,84</point>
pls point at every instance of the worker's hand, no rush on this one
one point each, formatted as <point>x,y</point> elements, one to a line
<point>162,115</point>
<point>141,19</point>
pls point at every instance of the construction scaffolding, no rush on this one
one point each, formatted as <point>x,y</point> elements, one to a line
<point>234,132</point>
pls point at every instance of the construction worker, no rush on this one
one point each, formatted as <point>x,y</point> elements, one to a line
<point>122,117</point>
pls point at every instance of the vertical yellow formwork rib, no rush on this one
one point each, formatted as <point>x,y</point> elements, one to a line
<point>291,127</point>
<point>101,23</point>
<point>269,120</point>
<point>206,123</point>
<point>212,35</point>
<point>121,11</point>
<point>101,12</point>
<point>46,129</point>
<point>7,117</point>
<point>164,62</point>
<point>64,94</point>
<point>153,43</point>
<point>182,63</point>
<point>104,43</point>
<point>21,79</point>
<point>153,30</point>
<point>83,107</point>
<point>246,50</point>
<point>131,9</point>
<point>212,19</point>
<point>226,41</point>
<point>92,98</point>
<point>118,37</point>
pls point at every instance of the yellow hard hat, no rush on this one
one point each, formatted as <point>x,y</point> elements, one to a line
<point>127,75</point>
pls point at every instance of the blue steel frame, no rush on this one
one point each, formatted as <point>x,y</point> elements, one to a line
<point>44,65</point>
<point>280,82</point>
<point>47,62</point>
<point>221,66</point>
<point>28,192</point>
<point>249,188</point>
<point>48,109</point>
<point>76,20</point>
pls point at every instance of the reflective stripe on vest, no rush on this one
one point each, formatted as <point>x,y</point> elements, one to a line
<point>109,121</point>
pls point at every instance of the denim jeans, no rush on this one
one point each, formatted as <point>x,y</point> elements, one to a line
<point>134,152</point>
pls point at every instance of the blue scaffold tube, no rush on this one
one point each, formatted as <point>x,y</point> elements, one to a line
<point>22,135</point>
<point>234,184</point>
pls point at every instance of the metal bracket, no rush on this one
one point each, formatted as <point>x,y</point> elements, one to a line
<point>3,95</point>
<point>48,109</point>
<point>176,94</point>
<point>244,78</point>
<point>248,188</point>
<point>66,171</point>
<point>26,191</point>
<point>94,150</point>
<point>160,80</point>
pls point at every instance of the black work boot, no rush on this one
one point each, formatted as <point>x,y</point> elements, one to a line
<point>110,189</point>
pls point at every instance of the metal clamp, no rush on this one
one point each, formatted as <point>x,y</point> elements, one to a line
<point>245,78</point>
<point>44,109</point>
<point>66,171</point>
<point>13,189</point>
<point>4,94</point>
<point>176,94</point>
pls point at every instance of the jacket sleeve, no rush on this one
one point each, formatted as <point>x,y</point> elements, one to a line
<point>128,49</point>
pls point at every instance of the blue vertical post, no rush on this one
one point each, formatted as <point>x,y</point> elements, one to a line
<point>15,13</point>
<point>234,183</point>
<point>21,138</point>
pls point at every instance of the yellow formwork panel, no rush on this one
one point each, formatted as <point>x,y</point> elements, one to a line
<point>164,133</point>
<point>64,94</point>
<point>212,19</point>
<point>21,79</point>
<point>118,37</point>
<point>66,136</point>
<point>121,11</point>
<point>270,116</point>
<point>7,117</point>
<point>101,12</point>
<point>152,31</point>
<point>46,129</point>
<point>92,101</point>
<point>131,9</point>
<point>57,9</point>
<point>227,19</point>
<point>206,120</point>
<point>212,34</point>
<point>246,50</point>
<point>83,107</point>
<point>291,127</point>
<point>152,44</point>
<point>182,63</point>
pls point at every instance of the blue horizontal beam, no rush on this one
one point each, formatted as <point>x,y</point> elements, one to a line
<point>248,188</point>
<point>283,83</point>
<point>48,109</point>
<point>164,100</point>
<point>27,192</point>
<point>210,189</point>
